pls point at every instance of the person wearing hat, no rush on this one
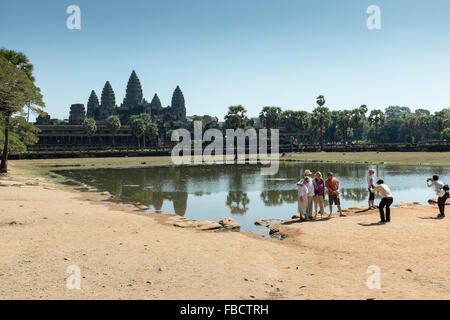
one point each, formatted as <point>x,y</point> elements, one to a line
<point>311,194</point>
<point>303,198</point>
<point>371,186</point>
<point>332,184</point>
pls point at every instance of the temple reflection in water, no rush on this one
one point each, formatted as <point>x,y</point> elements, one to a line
<point>213,192</point>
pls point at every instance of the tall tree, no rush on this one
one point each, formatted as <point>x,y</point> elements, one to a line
<point>320,101</point>
<point>142,126</point>
<point>411,125</point>
<point>320,122</point>
<point>17,89</point>
<point>296,121</point>
<point>90,127</point>
<point>137,127</point>
<point>445,134</point>
<point>113,124</point>
<point>344,125</point>
<point>236,117</point>
<point>422,112</point>
<point>358,119</point>
<point>396,112</point>
<point>270,117</point>
<point>21,61</point>
<point>440,121</point>
<point>376,120</point>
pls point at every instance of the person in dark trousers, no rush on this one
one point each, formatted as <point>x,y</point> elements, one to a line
<point>443,196</point>
<point>386,200</point>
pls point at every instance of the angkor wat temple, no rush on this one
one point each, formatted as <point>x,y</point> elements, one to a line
<point>134,103</point>
<point>71,132</point>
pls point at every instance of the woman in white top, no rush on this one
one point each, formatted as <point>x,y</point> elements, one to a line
<point>386,200</point>
<point>303,198</point>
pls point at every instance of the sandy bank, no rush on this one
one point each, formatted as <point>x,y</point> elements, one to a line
<point>46,227</point>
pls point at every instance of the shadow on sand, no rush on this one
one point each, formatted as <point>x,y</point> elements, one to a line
<point>374,224</point>
<point>292,221</point>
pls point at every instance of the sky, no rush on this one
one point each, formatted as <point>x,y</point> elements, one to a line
<point>226,52</point>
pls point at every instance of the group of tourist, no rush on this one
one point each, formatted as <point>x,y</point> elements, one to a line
<point>311,192</point>
<point>311,195</point>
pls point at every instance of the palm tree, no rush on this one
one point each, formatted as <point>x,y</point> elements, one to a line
<point>376,120</point>
<point>151,130</point>
<point>320,121</point>
<point>90,127</point>
<point>320,100</point>
<point>270,117</point>
<point>113,124</point>
<point>411,124</point>
<point>358,119</point>
<point>297,121</point>
<point>236,117</point>
<point>138,128</point>
<point>344,125</point>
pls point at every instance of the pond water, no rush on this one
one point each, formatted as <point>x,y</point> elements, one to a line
<point>213,192</point>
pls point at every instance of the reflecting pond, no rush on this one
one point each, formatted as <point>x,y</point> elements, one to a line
<point>213,192</point>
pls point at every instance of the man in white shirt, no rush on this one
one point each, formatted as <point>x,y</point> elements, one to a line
<point>386,200</point>
<point>436,183</point>
<point>303,197</point>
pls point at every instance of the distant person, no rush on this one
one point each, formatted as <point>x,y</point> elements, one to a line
<point>303,198</point>
<point>436,183</point>
<point>332,185</point>
<point>443,196</point>
<point>319,193</point>
<point>386,201</point>
<point>371,186</point>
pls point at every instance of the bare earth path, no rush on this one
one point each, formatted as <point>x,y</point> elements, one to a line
<point>44,228</point>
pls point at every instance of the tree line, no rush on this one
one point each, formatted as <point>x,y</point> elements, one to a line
<point>394,124</point>
<point>141,126</point>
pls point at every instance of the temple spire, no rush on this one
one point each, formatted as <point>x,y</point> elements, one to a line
<point>134,95</point>
<point>108,102</point>
<point>178,104</point>
<point>156,103</point>
<point>92,105</point>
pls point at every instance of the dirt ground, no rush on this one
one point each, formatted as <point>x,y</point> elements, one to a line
<point>125,253</point>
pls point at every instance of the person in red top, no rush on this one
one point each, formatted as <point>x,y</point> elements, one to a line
<point>332,185</point>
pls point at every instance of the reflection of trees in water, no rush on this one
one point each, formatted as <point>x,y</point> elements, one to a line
<point>238,202</point>
<point>139,185</point>
<point>278,197</point>
<point>152,186</point>
<point>357,194</point>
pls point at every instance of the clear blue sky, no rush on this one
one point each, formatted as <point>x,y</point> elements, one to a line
<point>225,52</point>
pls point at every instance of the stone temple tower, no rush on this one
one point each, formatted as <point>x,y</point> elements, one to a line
<point>108,102</point>
<point>77,114</point>
<point>134,95</point>
<point>178,105</point>
<point>92,105</point>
